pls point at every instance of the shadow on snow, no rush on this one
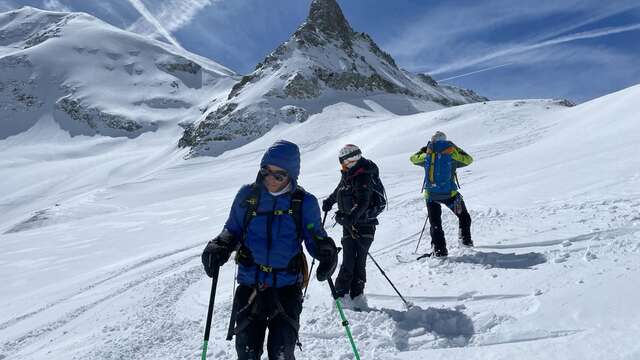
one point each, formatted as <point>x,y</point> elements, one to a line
<point>417,326</point>
<point>504,261</point>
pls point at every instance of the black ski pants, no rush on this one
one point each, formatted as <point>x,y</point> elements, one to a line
<point>455,204</point>
<point>353,274</point>
<point>262,313</point>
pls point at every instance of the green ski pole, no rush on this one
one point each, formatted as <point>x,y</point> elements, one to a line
<point>345,323</point>
<point>212,297</point>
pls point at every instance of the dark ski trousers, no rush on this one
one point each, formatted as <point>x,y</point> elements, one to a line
<point>455,204</point>
<point>253,320</point>
<point>353,273</point>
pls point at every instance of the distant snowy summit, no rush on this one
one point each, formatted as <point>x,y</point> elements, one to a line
<point>324,62</point>
<point>93,78</point>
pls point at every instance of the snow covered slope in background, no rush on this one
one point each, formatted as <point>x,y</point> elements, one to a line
<point>96,79</point>
<point>101,237</point>
<point>324,62</point>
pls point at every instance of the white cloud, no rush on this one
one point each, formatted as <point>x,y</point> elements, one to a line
<point>454,38</point>
<point>172,14</point>
<point>178,13</point>
<point>449,23</point>
<point>147,15</point>
<point>5,6</point>
<point>476,71</point>
<point>576,71</point>
<point>55,5</point>
<point>519,49</point>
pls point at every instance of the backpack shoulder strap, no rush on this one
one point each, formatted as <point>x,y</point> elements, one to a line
<point>432,164</point>
<point>251,204</point>
<point>297,198</point>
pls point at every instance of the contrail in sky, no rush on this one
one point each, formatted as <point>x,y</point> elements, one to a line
<point>153,21</point>
<point>521,49</point>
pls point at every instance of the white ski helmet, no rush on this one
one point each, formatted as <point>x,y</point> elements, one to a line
<point>349,153</point>
<point>438,136</point>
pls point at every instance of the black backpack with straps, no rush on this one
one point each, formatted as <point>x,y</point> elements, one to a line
<point>299,262</point>
<point>378,198</point>
<point>295,210</point>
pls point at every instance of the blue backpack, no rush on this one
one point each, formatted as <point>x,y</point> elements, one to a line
<point>440,171</point>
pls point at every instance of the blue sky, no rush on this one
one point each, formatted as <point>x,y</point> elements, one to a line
<point>502,49</point>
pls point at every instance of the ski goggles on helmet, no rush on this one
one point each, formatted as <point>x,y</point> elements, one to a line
<point>278,175</point>
<point>343,158</point>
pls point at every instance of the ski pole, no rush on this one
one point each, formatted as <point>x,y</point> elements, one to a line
<point>422,232</point>
<point>343,318</point>
<point>212,297</point>
<point>313,262</point>
<point>234,309</point>
<point>406,303</point>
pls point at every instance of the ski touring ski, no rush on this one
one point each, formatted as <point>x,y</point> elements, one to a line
<point>412,258</point>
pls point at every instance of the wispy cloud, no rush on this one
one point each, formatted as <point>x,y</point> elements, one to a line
<point>142,9</point>
<point>55,5</point>
<point>469,62</point>
<point>178,13</point>
<point>576,71</point>
<point>477,71</point>
<point>172,14</point>
<point>464,37</point>
<point>4,6</point>
<point>450,23</point>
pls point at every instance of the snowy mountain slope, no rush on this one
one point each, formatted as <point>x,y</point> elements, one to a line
<point>324,62</point>
<point>104,263</point>
<point>96,79</point>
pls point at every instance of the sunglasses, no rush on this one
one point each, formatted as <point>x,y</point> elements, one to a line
<point>278,175</point>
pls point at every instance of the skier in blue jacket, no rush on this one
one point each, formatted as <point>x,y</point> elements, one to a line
<point>268,222</point>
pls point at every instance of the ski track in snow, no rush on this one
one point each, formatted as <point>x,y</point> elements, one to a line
<point>93,285</point>
<point>34,335</point>
<point>151,328</point>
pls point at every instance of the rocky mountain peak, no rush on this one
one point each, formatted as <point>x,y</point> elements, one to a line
<point>324,62</point>
<point>325,20</point>
<point>326,16</point>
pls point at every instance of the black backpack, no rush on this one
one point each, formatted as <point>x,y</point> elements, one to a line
<point>251,204</point>
<point>378,196</point>
<point>299,262</point>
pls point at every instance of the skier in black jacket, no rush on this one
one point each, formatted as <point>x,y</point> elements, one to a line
<point>354,195</point>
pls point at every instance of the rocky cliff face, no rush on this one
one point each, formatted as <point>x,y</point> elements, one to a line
<point>324,62</point>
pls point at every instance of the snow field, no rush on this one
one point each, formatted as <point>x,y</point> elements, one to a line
<point>104,263</point>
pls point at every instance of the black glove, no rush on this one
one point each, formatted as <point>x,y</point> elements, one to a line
<point>344,219</point>
<point>426,149</point>
<point>327,255</point>
<point>217,252</point>
<point>327,204</point>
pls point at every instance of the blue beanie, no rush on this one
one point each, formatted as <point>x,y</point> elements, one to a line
<point>284,154</point>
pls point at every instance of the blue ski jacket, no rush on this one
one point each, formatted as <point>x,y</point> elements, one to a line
<point>272,236</point>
